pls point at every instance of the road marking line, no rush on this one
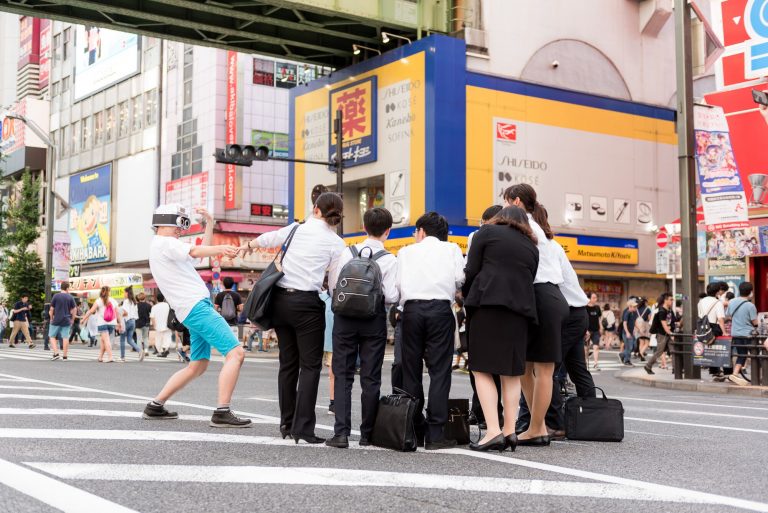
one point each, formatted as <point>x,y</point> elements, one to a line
<point>656,434</point>
<point>692,424</point>
<point>703,413</point>
<point>275,420</point>
<point>708,405</point>
<point>50,389</point>
<point>99,413</point>
<point>263,399</point>
<point>68,398</point>
<point>651,488</point>
<point>348,477</point>
<point>56,494</point>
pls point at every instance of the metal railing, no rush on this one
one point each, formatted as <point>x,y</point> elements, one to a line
<point>681,351</point>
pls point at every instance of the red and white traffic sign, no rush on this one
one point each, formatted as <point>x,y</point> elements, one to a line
<point>662,239</point>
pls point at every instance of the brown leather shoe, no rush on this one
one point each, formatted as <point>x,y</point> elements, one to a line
<point>556,434</point>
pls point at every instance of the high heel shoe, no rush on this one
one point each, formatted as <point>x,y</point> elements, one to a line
<point>536,441</point>
<point>285,432</point>
<point>310,439</point>
<point>511,441</point>
<point>497,443</point>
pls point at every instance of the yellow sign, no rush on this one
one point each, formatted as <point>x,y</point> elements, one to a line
<point>603,250</point>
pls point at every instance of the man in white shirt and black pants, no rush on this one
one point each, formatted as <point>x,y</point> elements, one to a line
<point>429,274</point>
<point>366,337</point>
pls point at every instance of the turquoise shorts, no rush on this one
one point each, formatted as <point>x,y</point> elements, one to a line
<point>207,328</point>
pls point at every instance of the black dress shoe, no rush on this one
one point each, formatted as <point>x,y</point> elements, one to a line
<point>338,441</point>
<point>364,442</point>
<point>310,439</point>
<point>511,441</point>
<point>497,443</point>
<point>536,441</point>
<point>285,432</point>
<point>440,444</point>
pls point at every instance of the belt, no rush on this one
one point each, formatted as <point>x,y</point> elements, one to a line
<point>296,291</point>
<point>576,308</point>
<point>427,301</point>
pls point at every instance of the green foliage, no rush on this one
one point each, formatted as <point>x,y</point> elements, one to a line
<point>22,269</point>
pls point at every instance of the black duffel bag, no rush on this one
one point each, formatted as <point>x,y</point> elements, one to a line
<point>594,419</point>
<point>257,304</point>
<point>394,428</point>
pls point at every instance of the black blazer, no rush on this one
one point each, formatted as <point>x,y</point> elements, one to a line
<point>501,266</point>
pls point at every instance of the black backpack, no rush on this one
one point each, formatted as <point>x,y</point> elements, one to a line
<point>359,291</point>
<point>704,332</point>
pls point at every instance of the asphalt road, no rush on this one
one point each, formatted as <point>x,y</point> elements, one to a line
<point>71,439</point>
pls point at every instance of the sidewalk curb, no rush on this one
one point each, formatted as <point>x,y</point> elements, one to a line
<point>690,385</point>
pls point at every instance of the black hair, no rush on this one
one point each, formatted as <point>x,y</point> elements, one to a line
<point>713,288</point>
<point>491,211</point>
<point>160,297</point>
<point>24,293</point>
<point>228,282</point>
<point>515,218</point>
<point>729,295</point>
<point>663,298</point>
<point>527,196</point>
<point>317,190</point>
<point>64,286</point>
<point>377,221</point>
<point>434,225</point>
<point>331,207</point>
<point>723,286</point>
<point>606,306</point>
<point>745,289</point>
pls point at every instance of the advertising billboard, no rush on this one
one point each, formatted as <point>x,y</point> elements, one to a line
<point>103,57</point>
<point>275,141</point>
<point>232,190</point>
<point>29,41</point>
<point>90,215</point>
<point>45,52</point>
<point>358,120</point>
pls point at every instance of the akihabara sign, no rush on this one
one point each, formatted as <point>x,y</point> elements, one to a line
<point>357,103</point>
<point>744,27</point>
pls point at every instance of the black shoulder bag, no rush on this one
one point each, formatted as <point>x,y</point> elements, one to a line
<point>257,305</point>
<point>594,419</point>
<point>394,427</point>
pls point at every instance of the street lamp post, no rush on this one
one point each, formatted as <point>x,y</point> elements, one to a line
<point>49,199</point>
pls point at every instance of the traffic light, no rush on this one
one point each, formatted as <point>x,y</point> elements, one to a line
<point>241,155</point>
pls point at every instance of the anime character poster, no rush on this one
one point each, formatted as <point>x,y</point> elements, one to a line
<point>90,200</point>
<point>722,193</point>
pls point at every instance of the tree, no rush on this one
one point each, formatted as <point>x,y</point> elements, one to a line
<point>21,267</point>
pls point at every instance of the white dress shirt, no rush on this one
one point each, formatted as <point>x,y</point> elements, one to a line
<point>549,270</point>
<point>315,249</point>
<point>571,289</point>
<point>430,269</point>
<point>387,264</point>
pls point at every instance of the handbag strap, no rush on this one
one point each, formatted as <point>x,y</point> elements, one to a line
<point>286,244</point>
<point>400,391</point>
<point>601,390</point>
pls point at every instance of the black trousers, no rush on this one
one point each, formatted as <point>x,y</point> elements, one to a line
<point>397,365</point>
<point>572,340</point>
<point>299,321</point>
<point>353,337</point>
<point>428,328</point>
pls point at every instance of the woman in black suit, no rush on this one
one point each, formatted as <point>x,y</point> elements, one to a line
<point>500,303</point>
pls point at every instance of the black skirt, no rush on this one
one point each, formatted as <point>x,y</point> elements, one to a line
<point>497,341</point>
<point>544,339</point>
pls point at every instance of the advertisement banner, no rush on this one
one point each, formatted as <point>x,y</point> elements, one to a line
<point>606,250</point>
<point>733,281</point>
<point>716,355</point>
<point>61,247</point>
<point>45,52</point>
<point>29,41</point>
<point>190,191</point>
<point>727,249</point>
<point>358,119</point>
<point>722,193</point>
<point>103,57</point>
<point>230,137</point>
<point>90,200</point>
<point>275,141</point>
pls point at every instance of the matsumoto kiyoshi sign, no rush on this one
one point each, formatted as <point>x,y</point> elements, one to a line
<point>90,200</point>
<point>605,250</point>
<point>358,113</point>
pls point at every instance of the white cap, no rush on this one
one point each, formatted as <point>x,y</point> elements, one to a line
<point>172,208</point>
<point>171,214</point>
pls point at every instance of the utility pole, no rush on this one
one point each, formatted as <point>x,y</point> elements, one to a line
<point>337,129</point>
<point>687,175</point>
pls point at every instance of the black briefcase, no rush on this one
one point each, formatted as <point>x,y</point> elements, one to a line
<point>257,305</point>
<point>394,427</point>
<point>457,427</point>
<point>594,419</point>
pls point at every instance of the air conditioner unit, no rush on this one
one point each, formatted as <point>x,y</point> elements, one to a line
<point>654,14</point>
<point>475,39</point>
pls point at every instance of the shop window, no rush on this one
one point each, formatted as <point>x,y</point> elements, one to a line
<point>98,129</point>
<point>55,89</point>
<point>109,127</point>
<point>150,107</point>
<point>56,47</point>
<point>137,114</point>
<point>65,84</point>
<point>85,132</point>
<point>75,139</point>
<point>123,119</point>
<point>65,49</point>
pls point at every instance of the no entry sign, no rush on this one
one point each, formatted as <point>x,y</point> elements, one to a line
<point>662,239</point>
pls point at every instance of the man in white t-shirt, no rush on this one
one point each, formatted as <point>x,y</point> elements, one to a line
<point>171,262</point>
<point>158,316</point>
<point>713,308</point>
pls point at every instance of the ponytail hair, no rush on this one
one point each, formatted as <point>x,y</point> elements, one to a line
<point>104,294</point>
<point>129,293</point>
<point>331,207</point>
<point>541,217</point>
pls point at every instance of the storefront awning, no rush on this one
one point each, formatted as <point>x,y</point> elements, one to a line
<point>250,229</point>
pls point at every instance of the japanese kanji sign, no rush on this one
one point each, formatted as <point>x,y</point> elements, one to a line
<point>358,105</point>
